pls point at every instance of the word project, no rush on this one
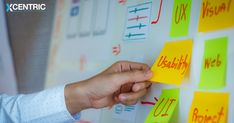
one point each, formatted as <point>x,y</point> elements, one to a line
<point>208,107</point>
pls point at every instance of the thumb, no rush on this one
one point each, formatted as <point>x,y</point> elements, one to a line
<point>133,76</point>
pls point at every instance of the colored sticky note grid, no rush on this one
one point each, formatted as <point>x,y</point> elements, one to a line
<point>213,71</point>
<point>209,107</point>
<point>164,109</point>
<point>137,21</point>
<point>216,15</point>
<point>180,18</point>
<point>173,62</point>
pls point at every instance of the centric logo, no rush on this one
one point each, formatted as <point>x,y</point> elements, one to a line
<point>25,7</point>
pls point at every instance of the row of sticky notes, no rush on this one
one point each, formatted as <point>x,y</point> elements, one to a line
<point>173,63</point>
<point>206,107</point>
<point>214,15</point>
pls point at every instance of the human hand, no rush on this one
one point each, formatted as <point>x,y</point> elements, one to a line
<point>123,82</point>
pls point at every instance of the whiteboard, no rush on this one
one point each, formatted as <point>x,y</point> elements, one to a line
<point>80,57</point>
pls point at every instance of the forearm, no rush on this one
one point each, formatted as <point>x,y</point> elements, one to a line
<point>75,97</point>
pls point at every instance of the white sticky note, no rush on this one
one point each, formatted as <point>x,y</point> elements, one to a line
<point>101,16</point>
<point>137,21</point>
<point>123,112</point>
<point>86,17</point>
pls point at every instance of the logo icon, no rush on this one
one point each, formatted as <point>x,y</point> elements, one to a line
<point>8,7</point>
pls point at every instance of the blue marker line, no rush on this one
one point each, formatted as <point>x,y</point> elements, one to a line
<point>137,26</point>
<point>136,9</point>
<point>129,108</point>
<point>130,35</point>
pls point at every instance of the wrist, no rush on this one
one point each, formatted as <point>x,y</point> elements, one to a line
<point>76,97</point>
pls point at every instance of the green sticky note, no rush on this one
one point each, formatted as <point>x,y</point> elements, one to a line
<point>164,109</point>
<point>213,71</point>
<point>180,18</point>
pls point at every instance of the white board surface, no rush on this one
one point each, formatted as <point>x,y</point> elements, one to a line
<point>98,54</point>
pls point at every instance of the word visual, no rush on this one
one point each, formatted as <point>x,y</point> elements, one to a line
<point>216,15</point>
<point>209,10</point>
<point>138,18</point>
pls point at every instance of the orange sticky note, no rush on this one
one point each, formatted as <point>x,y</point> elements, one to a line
<point>209,107</point>
<point>216,14</point>
<point>173,62</point>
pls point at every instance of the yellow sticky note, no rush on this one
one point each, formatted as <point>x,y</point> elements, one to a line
<point>216,14</point>
<point>209,107</point>
<point>172,63</point>
<point>164,109</point>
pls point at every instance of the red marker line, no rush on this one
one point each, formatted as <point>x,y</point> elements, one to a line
<point>159,12</point>
<point>148,103</point>
<point>137,18</point>
<point>156,98</point>
<point>122,1</point>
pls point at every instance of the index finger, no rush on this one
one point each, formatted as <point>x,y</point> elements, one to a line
<point>128,65</point>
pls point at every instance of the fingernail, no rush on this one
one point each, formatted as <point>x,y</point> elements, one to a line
<point>137,88</point>
<point>148,73</point>
<point>123,97</point>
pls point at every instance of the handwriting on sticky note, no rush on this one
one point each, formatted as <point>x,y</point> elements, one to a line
<point>209,107</point>
<point>209,10</point>
<point>212,62</point>
<point>213,69</point>
<point>164,108</point>
<point>216,14</point>
<point>172,63</point>
<point>198,117</point>
<point>177,63</point>
<point>180,18</point>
